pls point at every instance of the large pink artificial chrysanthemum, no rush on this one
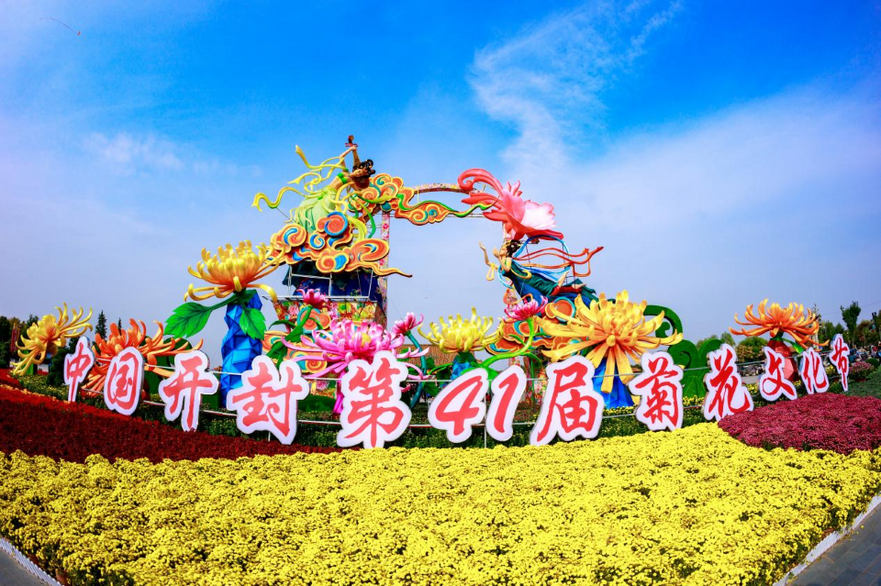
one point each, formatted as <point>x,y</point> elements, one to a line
<point>520,217</point>
<point>346,341</point>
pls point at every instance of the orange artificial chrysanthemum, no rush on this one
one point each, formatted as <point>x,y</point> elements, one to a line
<point>48,335</point>
<point>231,270</point>
<point>135,336</point>
<point>615,330</point>
<point>799,323</point>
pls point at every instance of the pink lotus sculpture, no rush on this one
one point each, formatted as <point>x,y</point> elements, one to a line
<point>520,217</point>
<point>404,326</point>
<point>525,310</point>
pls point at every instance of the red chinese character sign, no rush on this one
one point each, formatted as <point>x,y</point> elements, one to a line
<point>182,392</point>
<point>840,358</point>
<point>125,377</point>
<point>726,394</point>
<point>570,406</point>
<point>812,372</point>
<point>460,405</point>
<point>507,389</point>
<point>373,413</point>
<point>267,399</point>
<point>773,383</point>
<point>660,386</point>
<point>77,366</point>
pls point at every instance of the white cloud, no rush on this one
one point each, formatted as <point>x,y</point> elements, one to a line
<point>778,197</point>
<point>129,154</point>
<point>766,153</point>
<point>548,79</point>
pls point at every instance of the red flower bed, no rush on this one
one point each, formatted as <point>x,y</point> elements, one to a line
<point>6,379</point>
<point>825,421</point>
<point>39,425</point>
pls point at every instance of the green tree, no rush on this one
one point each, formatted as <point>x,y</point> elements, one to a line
<point>850,315</point>
<point>866,335</point>
<point>101,328</point>
<point>5,329</point>
<point>119,324</point>
<point>727,338</point>
<point>828,330</point>
<point>750,349</point>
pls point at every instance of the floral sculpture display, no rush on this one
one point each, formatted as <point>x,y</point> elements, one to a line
<point>45,337</point>
<point>462,337</point>
<point>613,333</point>
<point>232,276</point>
<point>329,352</point>
<point>153,348</point>
<point>794,320</point>
<point>334,247</point>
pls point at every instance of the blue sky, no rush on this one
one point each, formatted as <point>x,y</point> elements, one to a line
<point>721,152</point>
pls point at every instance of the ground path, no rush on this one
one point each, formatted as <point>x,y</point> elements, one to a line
<point>855,560</point>
<point>13,574</point>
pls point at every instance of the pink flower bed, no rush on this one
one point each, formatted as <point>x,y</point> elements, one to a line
<point>826,421</point>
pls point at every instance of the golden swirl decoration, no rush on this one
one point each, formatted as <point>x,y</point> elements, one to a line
<point>390,193</point>
<point>333,247</point>
<point>330,261</point>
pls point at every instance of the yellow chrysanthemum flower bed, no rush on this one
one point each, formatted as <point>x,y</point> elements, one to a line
<point>690,507</point>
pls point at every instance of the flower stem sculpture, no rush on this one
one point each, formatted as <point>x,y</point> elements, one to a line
<point>232,276</point>
<point>312,301</point>
<point>47,335</point>
<point>613,333</point>
<point>405,327</point>
<point>517,314</point>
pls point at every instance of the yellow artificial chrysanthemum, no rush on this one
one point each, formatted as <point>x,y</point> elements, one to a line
<point>799,323</point>
<point>616,330</point>
<point>49,334</point>
<point>231,270</point>
<point>460,335</point>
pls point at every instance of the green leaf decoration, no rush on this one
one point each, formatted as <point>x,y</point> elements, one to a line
<point>277,353</point>
<point>295,334</point>
<point>188,319</point>
<point>243,297</point>
<point>252,322</point>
